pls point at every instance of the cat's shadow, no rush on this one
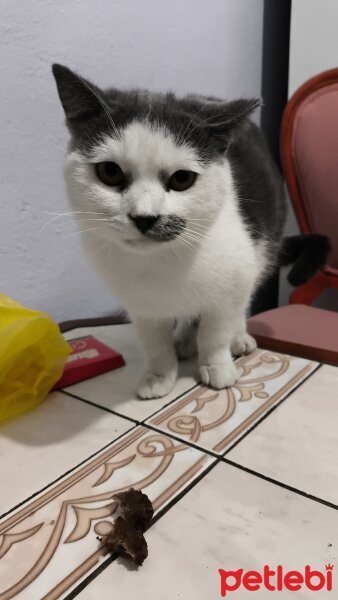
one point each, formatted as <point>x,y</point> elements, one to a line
<point>53,422</point>
<point>62,417</point>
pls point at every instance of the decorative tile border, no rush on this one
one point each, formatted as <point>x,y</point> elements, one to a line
<point>213,419</point>
<point>49,545</point>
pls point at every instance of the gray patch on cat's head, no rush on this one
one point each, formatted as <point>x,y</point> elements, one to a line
<point>207,124</point>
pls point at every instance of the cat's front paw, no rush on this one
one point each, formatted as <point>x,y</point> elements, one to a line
<point>220,375</point>
<point>155,386</point>
<point>243,344</point>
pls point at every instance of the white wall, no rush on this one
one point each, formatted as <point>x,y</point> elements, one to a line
<point>211,47</point>
<point>313,41</point>
<point>313,49</point>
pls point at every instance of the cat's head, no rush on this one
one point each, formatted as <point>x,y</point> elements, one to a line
<point>150,167</point>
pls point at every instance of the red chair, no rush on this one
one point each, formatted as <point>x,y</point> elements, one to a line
<point>309,152</point>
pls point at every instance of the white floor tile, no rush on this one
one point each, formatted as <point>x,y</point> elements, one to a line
<point>230,520</point>
<point>42,445</point>
<point>116,390</point>
<point>298,443</point>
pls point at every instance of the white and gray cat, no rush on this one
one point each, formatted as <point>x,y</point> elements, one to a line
<point>191,213</point>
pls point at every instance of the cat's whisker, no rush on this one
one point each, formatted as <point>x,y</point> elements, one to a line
<point>66,214</point>
<point>187,236</point>
<point>190,238</point>
<point>200,232</point>
<point>202,107</point>
<point>200,228</point>
<point>85,230</point>
<point>197,235</point>
<point>263,235</point>
<point>74,212</point>
<point>100,247</point>
<point>195,228</point>
<point>174,253</point>
<point>207,220</point>
<point>206,120</point>
<point>196,224</point>
<point>102,220</point>
<point>101,101</point>
<point>185,243</point>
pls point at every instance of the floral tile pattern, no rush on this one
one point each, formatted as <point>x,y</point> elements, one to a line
<point>49,544</point>
<point>213,419</point>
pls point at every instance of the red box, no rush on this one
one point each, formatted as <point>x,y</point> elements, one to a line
<point>88,358</point>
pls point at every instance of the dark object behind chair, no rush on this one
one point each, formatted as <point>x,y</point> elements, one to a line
<point>309,150</point>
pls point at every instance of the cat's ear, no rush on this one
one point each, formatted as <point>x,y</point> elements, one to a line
<point>224,117</point>
<point>230,114</point>
<point>80,98</point>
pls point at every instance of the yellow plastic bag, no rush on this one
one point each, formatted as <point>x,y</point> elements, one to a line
<point>32,357</point>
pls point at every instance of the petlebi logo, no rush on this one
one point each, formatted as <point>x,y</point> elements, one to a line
<point>276,579</point>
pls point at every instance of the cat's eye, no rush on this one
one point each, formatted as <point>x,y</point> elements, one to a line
<point>181,180</point>
<point>110,174</point>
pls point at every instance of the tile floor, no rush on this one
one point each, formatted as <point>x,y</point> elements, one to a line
<point>239,479</point>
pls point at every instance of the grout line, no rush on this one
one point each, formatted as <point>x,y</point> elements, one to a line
<point>182,440</point>
<point>285,486</point>
<point>253,426</point>
<point>270,410</point>
<point>194,482</point>
<point>104,408</point>
<point>51,483</point>
<point>185,490</point>
<point>172,401</point>
<point>146,425</point>
<point>114,412</point>
<point>217,458</point>
<point>143,421</point>
<point>66,473</point>
<point>150,427</point>
<point>92,576</point>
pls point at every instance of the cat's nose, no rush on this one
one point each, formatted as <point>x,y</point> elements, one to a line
<point>144,222</point>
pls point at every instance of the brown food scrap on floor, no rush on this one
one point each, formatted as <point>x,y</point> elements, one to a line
<point>135,507</point>
<point>127,541</point>
<point>135,514</point>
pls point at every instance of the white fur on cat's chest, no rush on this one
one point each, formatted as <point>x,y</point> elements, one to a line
<point>167,286</point>
<point>153,291</point>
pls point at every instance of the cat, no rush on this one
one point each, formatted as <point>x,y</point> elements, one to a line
<point>186,211</point>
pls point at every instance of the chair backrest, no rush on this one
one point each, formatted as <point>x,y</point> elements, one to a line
<point>309,153</point>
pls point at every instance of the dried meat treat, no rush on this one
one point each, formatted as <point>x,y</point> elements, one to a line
<point>127,541</point>
<point>135,507</point>
<point>135,514</point>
